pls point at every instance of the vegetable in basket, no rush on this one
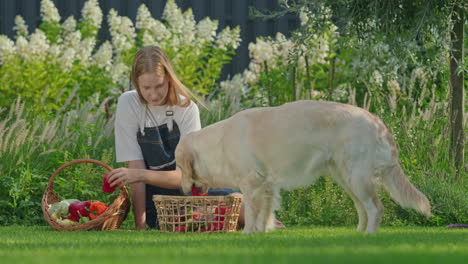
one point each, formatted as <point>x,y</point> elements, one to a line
<point>83,219</point>
<point>219,212</point>
<point>96,209</point>
<point>73,218</point>
<point>66,222</point>
<point>59,210</point>
<point>79,208</point>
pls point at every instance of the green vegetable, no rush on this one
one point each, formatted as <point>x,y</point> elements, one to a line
<point>83,219</point>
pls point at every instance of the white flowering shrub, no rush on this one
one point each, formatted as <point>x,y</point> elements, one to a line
<point>197,52</point>
<point>283,70</point>
<point>64,59</point>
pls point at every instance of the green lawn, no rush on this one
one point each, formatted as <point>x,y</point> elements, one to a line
<point>412,245</point>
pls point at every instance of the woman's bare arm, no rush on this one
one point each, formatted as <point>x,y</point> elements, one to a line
<point>138,196</point>
<point>137,176</point>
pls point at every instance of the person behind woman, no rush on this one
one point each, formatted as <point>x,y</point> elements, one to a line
<point>149,123</point>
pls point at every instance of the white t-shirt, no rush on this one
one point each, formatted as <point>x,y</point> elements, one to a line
<point>130,117</point>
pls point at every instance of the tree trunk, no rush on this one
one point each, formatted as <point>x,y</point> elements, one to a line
<point>456,84</point>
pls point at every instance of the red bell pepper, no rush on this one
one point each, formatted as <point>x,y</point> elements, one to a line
<point>78,209</point>
<point>73,218</point>
<point>106,187</point>
<point>96,209</point>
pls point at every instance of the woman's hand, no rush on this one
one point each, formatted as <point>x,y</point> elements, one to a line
<point>122,176</point>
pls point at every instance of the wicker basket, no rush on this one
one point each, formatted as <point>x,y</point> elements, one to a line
<point>112,218</point>
<point>197,213</point>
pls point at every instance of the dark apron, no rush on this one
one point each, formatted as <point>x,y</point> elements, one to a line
<point>158,146</point>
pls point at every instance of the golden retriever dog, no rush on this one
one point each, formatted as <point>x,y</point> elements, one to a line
<point>262,150</point>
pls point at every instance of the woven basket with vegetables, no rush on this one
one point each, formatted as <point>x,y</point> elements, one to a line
<point>197,213</point>
<point>72,214</point>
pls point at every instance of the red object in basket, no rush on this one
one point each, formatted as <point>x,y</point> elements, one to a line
<point>179,228</point>
<point>220,211</point>
<point>196,193</point>
<point>73,218</point>
<point>216,226</point>
<point>79,208</point>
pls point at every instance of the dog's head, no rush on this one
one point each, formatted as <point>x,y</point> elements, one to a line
<point>185,160</point>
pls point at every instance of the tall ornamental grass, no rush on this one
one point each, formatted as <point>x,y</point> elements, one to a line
<point>32,148</point>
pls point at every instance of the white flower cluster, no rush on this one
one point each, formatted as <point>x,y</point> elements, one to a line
<point>67,58</point>
<point>54,52</point>
<point>49,12</point>
<point>119,74</point>
<point>376,79</point>
<point>143,18</point>
<point>68,27</point>
<point>269,52</point>
<point>72,40</point>
<point>206,30</point>
<point>173,15</point>
<point>7,48</point>
<point>38,46</point>
<point>103,57</point>
<point>20,26</point>
<point>188,29</point>
<point>179,32</point>
<point>228,38</point>
<point>154,32</point>
<point>70,46</point>
<point>85,51</point>
<point>92,14</point>
<point>22,46</point>
<point>122,31</point>
<point>183,30</point>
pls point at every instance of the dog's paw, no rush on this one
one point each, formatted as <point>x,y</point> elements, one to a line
<point>246,231</point>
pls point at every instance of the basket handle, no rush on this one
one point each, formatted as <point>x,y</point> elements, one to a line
<point>52,178</point>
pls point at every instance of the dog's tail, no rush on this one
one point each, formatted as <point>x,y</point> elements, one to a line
<point>403,192</point>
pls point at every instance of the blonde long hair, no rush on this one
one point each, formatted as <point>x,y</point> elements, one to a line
<point>152,59</point>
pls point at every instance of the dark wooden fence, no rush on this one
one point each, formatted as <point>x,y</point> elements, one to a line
<point>227,12</point>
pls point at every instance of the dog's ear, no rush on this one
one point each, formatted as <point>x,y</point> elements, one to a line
<point>184,159</point>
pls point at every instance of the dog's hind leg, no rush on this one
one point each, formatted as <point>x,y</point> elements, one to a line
<point>364,190</point>
<point>362,224</point>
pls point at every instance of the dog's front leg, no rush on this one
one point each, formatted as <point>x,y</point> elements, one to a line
<point>265,196</point>
<point>252,206</point>
<point>250,214</point>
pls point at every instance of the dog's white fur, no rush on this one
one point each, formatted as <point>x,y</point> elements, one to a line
<point>261,150</point>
